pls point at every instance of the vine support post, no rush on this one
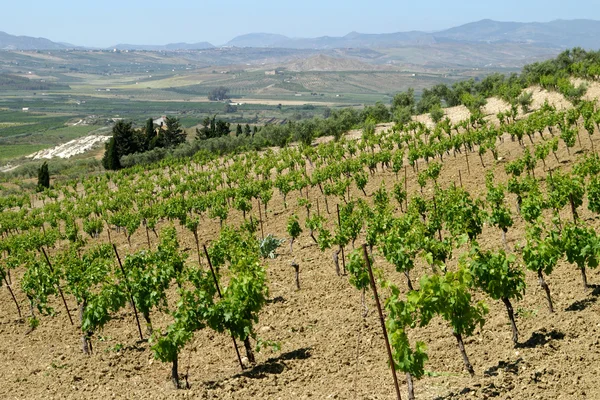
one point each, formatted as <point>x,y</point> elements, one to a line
<point>296,267</point>
<point>137,319</point>
<point>195,232</point>
<point>108,232</point>
<point>544,286</point>
<point>382,320</point>
<point>341,247</point>
<point>12,294</point>
<point>8,275</point>
<point>460,178</point>
<point>262,231</point>
<point>148,238</point>
<point>58,286</point>
<point>435,210</point>
<point>406,187</point>
<point>212,271</point>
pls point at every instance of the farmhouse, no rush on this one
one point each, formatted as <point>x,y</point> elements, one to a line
<point>160,121</point>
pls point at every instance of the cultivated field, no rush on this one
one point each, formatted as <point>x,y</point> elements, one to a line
<point>102,86</point>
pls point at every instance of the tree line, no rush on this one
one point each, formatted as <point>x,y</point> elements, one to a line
<point>128,140</point>
<point>551,74</point>
<point>215,135</point>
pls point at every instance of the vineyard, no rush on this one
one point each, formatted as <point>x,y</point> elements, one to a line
<point>270,274</point>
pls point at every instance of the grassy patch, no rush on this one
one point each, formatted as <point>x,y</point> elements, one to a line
<point>29,142</point>
<point>11,151</point>
<point>17,124</point>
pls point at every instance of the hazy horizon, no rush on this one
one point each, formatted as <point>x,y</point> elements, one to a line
<point>151,23</point>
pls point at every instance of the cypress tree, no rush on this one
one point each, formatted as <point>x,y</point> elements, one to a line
<point>43,177</point>
<point>148,134</point>
<point>222,128</point>
<point>174,134</point>
<point>110,160</point>
<point>213,127</point>
<point>125,141</point>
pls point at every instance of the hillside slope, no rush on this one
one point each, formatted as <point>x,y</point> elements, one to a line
<point>11,42</point>
<point>328,350</point>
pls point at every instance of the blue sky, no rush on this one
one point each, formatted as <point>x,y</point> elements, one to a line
<point>105,23</point>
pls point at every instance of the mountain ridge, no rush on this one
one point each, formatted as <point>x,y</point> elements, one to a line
<point>165,47</point>
<point>12,42</point>
<point>560,34</point>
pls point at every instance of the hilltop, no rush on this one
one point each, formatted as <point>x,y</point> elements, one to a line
<point>11,42</point>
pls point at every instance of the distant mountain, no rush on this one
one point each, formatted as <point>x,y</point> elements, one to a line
<point>11,42</point>
<point>351,40</point>
<point>557,34</point>
<point>258,40</point>
<point>166,47</point>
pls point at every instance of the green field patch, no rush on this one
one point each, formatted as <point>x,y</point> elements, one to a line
<point>12,151</point>
<point>11,124</point>
<point>33,125</point>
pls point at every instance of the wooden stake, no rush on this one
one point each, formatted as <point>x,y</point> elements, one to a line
<point>137,319</point>
<point>341,247</point>
<point>148,237</point>
<point>58,286</point>
<point>262,232</point>
<point>382,319</point>
<point>237,352</point>
<point>12,294</point>
<point>406,187</point>
<point>195,232</point>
